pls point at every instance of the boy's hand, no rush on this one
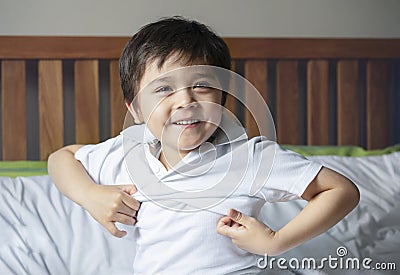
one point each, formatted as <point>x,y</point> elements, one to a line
<point>247,232</point>
<point>112,203</point>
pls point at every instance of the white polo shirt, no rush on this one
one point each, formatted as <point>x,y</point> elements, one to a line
<point>176,228</point>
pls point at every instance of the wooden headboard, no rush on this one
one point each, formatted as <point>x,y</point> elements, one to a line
<point>61,90</point>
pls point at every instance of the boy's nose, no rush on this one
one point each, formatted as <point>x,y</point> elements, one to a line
<point>184,97</point>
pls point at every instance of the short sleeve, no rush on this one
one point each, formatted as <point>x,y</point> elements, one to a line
<point>289,175</point>
<point>83,154</point>
<point>102,161</point>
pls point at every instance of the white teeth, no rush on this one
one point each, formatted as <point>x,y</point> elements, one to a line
<point>187,122</point>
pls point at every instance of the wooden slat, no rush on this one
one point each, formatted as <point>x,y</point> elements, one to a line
<point>256,73</point>
<point>317,102</point>
<point>86,101</point>
<point>50,107</point>
<point>347,103</point>
<point>40,47</point>
<point>13,110</point>
<point>288,106</point>
<point>377,104</point>
<point>117,106</point>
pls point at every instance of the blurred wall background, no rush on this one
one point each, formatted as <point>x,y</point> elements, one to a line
<point>230,18</point>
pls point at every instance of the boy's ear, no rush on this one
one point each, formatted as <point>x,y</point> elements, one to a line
<point>136,114</point>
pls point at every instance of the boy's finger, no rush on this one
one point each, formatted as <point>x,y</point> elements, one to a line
<point>121,218</point>
<point>131,202</point>
<point>227,231</point>
<point>239,217</point>
<point>128,188</point>
<point>132,189</point>
<point>124,209</point>
<point>224,221</point>
<point>223,227</point>
<point>110,226</point>
<point>235,224</point>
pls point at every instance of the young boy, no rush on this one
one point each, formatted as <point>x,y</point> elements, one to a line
<point>178,111</point>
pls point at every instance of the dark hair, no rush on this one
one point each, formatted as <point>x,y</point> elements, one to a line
<point>189,39</point>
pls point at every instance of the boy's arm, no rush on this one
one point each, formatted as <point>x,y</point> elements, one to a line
<point>331,197</point>
<point>106,203</point>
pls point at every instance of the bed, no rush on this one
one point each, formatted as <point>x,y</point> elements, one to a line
<point>334,100</point>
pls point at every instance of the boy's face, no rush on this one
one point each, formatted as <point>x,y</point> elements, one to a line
<point>178,105</point>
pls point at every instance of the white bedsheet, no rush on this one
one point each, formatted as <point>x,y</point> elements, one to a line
<point>42,232</point>
<point>371,230</point>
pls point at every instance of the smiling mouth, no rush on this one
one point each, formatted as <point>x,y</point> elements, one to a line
<point>187,122</point>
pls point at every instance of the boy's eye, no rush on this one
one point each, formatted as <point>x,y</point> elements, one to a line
<point>164,89</point>
<point>202,86</point>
